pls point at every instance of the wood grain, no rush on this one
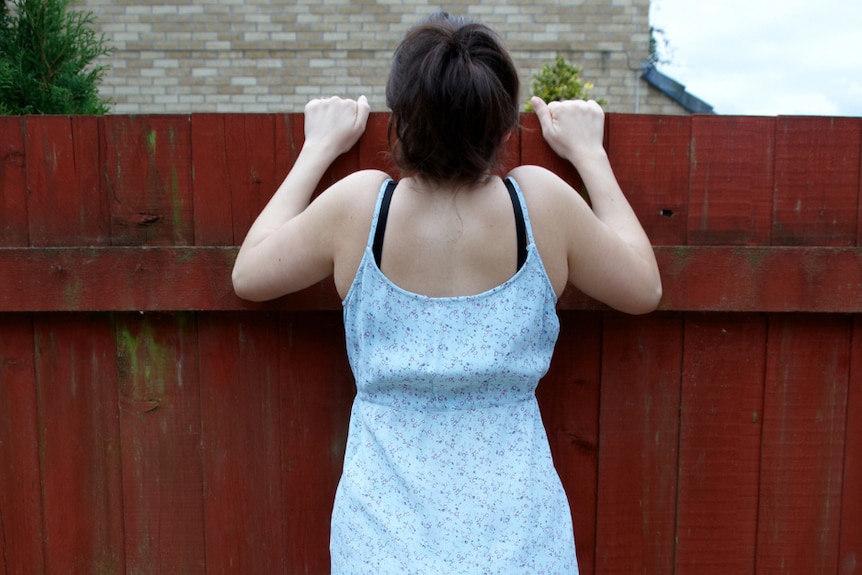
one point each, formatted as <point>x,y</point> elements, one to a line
<point>79,443</point>
<point>62,154</point>
<point>817,165</point>
<point>147,179</point>
<point>160,442</point>
<point>243,497</point>
<point>850,550</point>
<point>318,391</point>
<point>21,528</point>
<point>696,278</point>
<point>650,156</point>
<point>150,421</point>
<point>732,171</point>
<point>720,432</point>
<point>638,444</point>
<point>14,221</point>
<point>804,422</point>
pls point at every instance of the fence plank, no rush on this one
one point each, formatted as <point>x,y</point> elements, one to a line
<point>241,427</point>
<point>62,156</point>
<point>318,391</point>
<point>817,178</point>
<point>727,151</point>
<point>147,176</point>
<point>160,442</point>
<point>850,551</point>
<point>250,142</point>
<point>20,497</point>
<point>638,444</point>
<point>212,194</point>
<point>79,443</point>
<point>719,464</point>
<point>235,172</point>
<point>804,416</point>
<point>650,156</point>
<point>14,224</point>
<point>569,401</point>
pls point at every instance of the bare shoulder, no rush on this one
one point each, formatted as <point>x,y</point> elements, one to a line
<point>347,204</point>
<point>536,180</point>
<point>355,190</point>
<point>555,208</point>
<point>352,200</point>
<point>549,198</point>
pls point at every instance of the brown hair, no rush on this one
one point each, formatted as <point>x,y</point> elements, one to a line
<point>453,93</point>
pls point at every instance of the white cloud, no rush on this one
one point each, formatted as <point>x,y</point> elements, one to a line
<point>766,57</point>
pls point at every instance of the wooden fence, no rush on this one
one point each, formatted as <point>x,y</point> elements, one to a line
<point>151,422</point>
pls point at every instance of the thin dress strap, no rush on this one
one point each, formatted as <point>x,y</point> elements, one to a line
<point>382,215</point>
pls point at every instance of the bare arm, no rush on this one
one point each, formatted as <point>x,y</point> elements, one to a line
<point>611,259</point>
<point>287,247</point>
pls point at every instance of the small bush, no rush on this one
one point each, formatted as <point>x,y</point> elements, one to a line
<point>47,55</point>
<point>560,81</point>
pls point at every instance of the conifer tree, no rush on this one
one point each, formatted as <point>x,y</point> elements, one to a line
<point>48,59</point>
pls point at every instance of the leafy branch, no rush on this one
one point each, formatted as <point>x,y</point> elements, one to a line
<point>560,81</point>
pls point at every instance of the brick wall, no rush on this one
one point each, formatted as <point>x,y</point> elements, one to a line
<point>265,56</point>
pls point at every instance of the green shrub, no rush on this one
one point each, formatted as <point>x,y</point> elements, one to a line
<point>47,55</point>
<point>560,81</point>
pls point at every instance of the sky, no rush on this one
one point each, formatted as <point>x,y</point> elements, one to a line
<point>765,57</point>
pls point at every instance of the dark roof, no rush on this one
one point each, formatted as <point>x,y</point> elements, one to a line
<point>674,90</point>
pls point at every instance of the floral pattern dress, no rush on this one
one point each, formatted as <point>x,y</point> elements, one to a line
<point>447,468</point>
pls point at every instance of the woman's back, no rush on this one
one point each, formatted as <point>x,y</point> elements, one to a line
<point>450,242</point>
<point>447,468</point>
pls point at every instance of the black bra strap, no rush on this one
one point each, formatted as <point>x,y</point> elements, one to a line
<point>382,216</point>
<point>520,225</point>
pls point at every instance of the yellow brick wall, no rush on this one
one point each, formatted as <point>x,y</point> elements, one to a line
<point>267,56</point>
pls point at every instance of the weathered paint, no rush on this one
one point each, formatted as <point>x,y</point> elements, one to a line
<point>209,437</point>
<point>152,138</point>
<point>149,361</point>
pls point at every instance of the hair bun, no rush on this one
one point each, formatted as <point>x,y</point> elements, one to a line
<point>453,93</point>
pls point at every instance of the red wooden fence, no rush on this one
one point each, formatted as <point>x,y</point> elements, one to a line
<point>151,422</point>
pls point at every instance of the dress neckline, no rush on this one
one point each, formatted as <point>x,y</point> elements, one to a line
<point>416,295</point>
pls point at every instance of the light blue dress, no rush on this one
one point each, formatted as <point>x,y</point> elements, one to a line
<point>447,468</point>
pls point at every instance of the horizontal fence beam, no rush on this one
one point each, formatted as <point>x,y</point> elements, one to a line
<point>695,278</point>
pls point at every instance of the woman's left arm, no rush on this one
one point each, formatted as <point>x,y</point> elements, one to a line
<point>268,265</point>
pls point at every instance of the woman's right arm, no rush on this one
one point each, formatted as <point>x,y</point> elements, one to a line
<point>609,254</point>
<point>292,244</point>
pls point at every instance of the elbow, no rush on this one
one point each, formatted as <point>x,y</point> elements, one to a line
<point>650,292</point>
<point>239,285</point>
<point>251,285</point>
<point>654,300</point>
<point>641,298</point>
<point>242,287</point>
<point>649,301</point>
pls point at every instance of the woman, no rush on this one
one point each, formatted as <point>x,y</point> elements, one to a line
<point>449,279</point>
